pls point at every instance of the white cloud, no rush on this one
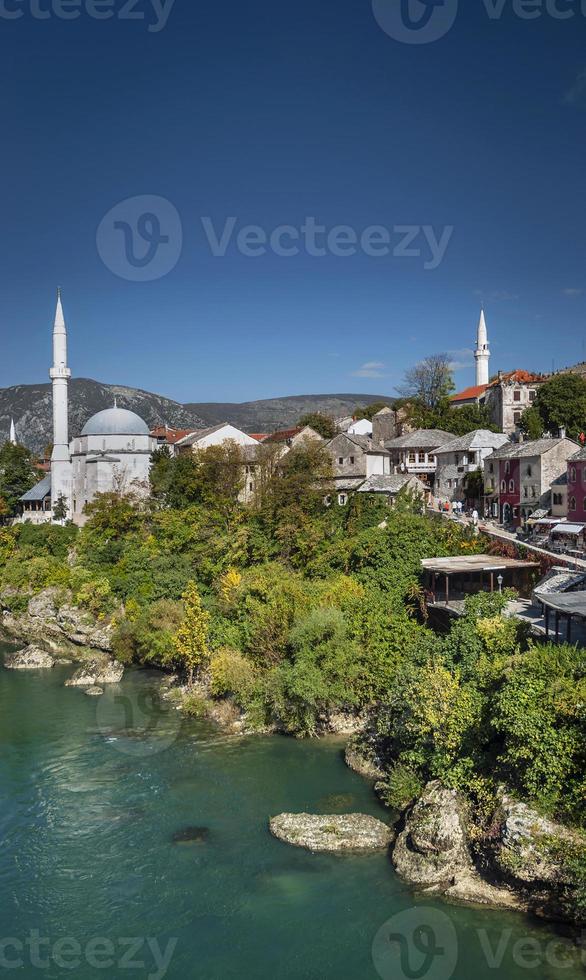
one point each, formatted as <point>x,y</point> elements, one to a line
<point>572,292</point>
<point>372,369</point>
<point>460,359</point>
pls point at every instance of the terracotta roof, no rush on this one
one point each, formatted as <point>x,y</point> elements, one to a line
<point>284,434</point>
<point>469,393</point>
<point>259,436</point>
<point>170,435</point>
<point>521,377</point>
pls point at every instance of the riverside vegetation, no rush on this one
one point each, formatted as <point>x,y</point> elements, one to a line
<point>294,613</point>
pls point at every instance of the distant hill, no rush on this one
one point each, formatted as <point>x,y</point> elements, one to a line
<point>31,408</point>
<point>280,413</point>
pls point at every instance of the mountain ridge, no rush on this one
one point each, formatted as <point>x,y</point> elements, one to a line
<point>31,407</point>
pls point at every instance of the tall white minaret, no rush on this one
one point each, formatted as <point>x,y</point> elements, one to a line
<point>482,353</point>
<point>60,375</point>
<point>12,437</point>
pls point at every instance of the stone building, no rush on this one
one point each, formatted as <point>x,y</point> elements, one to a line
<point>354,460</point>
<point>509,396</point>
<point>414,453</point>
<point>518,477</point>
<point>461,457</point>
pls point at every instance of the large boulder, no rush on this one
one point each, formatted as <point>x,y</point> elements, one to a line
<point>346,832</point>
<point>433,854</point>
<point>95,673</point>
<point>432,848</point>
<point>30,658</point>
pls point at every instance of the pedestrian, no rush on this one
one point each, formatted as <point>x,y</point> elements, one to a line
<point>475,517</point>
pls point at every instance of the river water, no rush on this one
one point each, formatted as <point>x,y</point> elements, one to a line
<point>94,885</point>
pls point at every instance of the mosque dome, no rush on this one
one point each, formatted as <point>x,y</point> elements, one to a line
<point>115,422</point>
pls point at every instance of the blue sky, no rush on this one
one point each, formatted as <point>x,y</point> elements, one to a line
<point>273,113</point>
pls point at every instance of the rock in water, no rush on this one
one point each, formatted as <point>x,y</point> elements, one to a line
<point>347,832</point>
<point>30,658</point>
<point>432,848</point>
<point>432,851</point>
<point>95,673</point>
<point>94,692</point>
<point>191,835</point>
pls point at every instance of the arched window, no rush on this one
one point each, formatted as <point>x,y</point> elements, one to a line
<point>507,467</point>
<point>503,487</point>
<point>573,475</point>
<point>511,486</point>
<point>529,470</point>
<point>572,503</point>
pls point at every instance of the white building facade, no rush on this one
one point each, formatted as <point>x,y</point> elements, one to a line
<point>112,453</point>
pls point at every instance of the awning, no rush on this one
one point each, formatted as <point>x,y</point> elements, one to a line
<point>540,516</point>
<point>573,529</point>
<point>545,521</point>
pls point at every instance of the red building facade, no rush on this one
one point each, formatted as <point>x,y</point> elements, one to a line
<point>577,487</point>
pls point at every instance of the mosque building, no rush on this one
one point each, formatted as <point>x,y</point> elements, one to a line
<point>113,451</point>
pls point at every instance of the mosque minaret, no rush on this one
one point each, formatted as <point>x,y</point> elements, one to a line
<point>60,375</point>
<point>482,353</point>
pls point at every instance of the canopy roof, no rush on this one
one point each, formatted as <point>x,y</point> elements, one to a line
<point>473,563</point>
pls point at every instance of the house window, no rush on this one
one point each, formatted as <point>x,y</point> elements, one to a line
<point>525,491</point>
<point>532,396</point>
<point>449,482</point>
<point>503,486</point>
<point>412,458</point>
<point>491,468</point>
<point>516,417</point>
<point>573,475</point>
<point>431,459</point>
<point>517,395</point>
<point>342,499</point>
<point>511,486</point>
<point>529,470</point>
<point>533,492</point>
<point>557,499</point>
<point>507,467</point>
<point>352,461</point>
<point>340,461</point>
<point>572,503</point>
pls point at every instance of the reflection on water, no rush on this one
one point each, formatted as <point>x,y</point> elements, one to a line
<point>101,843</point>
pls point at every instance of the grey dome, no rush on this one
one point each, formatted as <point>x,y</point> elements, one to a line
<point>115,422</point>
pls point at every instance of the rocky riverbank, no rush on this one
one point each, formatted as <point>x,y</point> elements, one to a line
<point>57,626</point>
<point>332,833</point>
<point>523,861</point>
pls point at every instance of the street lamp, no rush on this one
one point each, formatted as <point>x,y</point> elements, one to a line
<point>500,581</point>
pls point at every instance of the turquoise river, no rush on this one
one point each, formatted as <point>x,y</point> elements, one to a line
<point>94,793</point>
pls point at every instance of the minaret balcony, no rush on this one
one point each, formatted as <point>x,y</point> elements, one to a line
<point>60,372</point>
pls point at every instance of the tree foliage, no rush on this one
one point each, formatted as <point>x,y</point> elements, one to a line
<point>429,383</point>
<point>323,424</point>
<point>17,476</point>
<point>560,403</point>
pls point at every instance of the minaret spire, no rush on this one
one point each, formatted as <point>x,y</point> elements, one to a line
<point>60,375</point>
<point>482,352</point>
<point>12,432</point>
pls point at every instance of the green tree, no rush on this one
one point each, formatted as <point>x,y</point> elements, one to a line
<point>191,639</point>
<point>560,403</point>
<point>532,423</point>
<point>60,510</point>
<point>324,425</point>
<point>17,475</point>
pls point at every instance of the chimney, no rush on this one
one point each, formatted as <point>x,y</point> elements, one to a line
<point>562,432</point>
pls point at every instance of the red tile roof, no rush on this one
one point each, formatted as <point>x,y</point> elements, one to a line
<point>259,436</point>
<point>521,377</point>
<point>469,393</point>
<point>284,434</point>
<point>171,435</point>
